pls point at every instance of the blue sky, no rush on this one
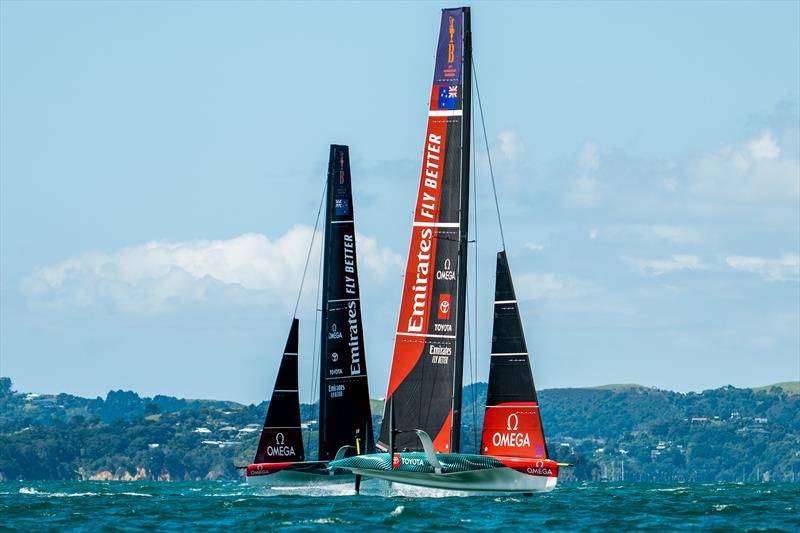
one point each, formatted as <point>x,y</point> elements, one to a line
<point>161,164</point>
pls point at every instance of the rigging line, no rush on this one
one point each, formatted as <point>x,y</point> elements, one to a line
<point>310,247</point>
<point>488,154</point>
<point>475,294</point>
<point>314,355</point>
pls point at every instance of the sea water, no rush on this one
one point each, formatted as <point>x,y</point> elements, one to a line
<point>233,506</point>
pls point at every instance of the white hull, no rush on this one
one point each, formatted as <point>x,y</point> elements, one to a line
<point>488,481</point>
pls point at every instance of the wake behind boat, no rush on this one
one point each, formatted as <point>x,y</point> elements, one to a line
<point>345,419</point>
<point>422,416</point>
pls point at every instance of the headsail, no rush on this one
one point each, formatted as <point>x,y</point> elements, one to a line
<point>344,391</point>
<point>425,381</point>
<point>512,426</point>
<point>281,439</point>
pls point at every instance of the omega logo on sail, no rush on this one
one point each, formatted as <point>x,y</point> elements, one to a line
<point>280,449</point>
<point>512,438</point>
<point>427,208</point>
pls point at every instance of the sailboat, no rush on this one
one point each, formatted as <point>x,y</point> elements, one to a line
<point>345,419</point>
<point>420,434</point>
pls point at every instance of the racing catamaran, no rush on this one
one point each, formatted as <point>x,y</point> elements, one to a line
<point>420,434</point>
<point>345,420</point>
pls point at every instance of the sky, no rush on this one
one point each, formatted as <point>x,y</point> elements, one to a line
<point>161,165</point>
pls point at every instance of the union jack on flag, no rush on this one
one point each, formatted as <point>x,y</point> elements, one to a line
<point>448,96</point>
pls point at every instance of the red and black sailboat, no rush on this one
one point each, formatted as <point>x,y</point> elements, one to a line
<point>420,434</point>
<point>345,420</point>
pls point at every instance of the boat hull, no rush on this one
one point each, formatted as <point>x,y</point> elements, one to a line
<point>295,474</point>
<point>459,472</point>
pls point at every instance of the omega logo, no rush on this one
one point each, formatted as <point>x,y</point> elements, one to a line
<point>515,418</point>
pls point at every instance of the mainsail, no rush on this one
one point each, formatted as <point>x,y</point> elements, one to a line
<point>425,381</point>
<point>512,426</point>
<point>344,409</point>
<point>281,439</point>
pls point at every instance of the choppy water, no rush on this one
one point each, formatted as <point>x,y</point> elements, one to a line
<point>137,506</point>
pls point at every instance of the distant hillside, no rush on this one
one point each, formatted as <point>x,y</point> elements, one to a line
<point>607,432</point>
<point>789,387</point>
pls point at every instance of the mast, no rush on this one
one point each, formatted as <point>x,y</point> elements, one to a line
<point>427,363</point>
<point>281,437</point>
<point>466,69</point>
<point>344,408</point>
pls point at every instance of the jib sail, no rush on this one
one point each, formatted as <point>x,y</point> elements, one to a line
<point>281,439</point>
<point>512,426</point>
<point>344,391</point>
<point>425,381</point>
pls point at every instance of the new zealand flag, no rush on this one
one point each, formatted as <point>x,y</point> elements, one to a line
<point>448,96</point>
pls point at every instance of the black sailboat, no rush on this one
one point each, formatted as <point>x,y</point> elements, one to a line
<point>345,421</point>
<point>421,424</point>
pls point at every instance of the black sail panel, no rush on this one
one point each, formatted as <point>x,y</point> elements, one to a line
<point>512,424</point>
<point>344,391</point>
<point>281,438</point>
<point>425,381</point>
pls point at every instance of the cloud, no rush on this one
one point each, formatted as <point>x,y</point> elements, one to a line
<point>786,268</point>
<point>541,285</point>
<point>534,247</point>
<point>654,233</point>
<point>156,276</point>
<point>583,187</point>
<point>758,169</point>
<point>508,146</point>
<point>657,267</point>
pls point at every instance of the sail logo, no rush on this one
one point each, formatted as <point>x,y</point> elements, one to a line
<point>512,437</point>
<point>515,423</point>
<point>451,46</point>
<point>280,449</point>
<point>334,333</point>
<point>444,307</point>
<point>446,273</point>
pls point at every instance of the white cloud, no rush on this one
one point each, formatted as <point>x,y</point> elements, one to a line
<point>155,276</point>
<point>540,285</point>
<point>534,247</point>
<point>583,187</point>
<point>654,232</point>
<point>785,268</point>
<point>757,169</point>
<point>508,146</point>
<point>657,267</point>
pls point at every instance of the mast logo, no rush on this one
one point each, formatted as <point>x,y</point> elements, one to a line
<point>451,46</point>
<point>446,273</point>
<point>334,333</point>
<point>444,307</point>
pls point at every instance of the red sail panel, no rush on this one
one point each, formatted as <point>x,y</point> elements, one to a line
<point>426,349</point>
<point>513,430</point>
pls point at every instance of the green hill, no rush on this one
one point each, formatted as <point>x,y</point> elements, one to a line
<point>724,434</point>
<point>789,387</point>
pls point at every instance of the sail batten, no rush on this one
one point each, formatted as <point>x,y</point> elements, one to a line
<point>344,392</point>
<point>425,381</point>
